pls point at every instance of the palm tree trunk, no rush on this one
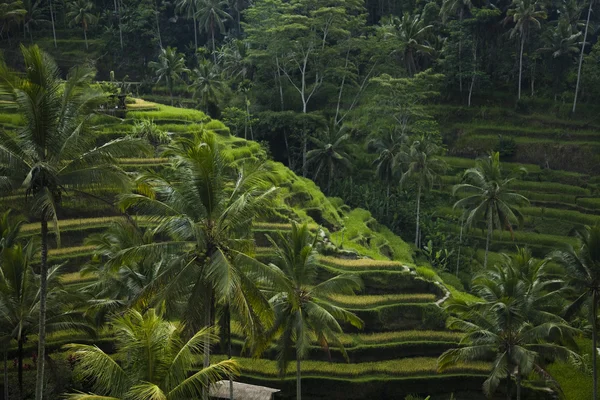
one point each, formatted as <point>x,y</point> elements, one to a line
<point>518,379</point>
<point>118,12</point>
<point>488,240</point>
<point>228,327</point>
<point>508,382</point>
<point>52,20</point>
<point>195,32</point>
<point>39,384</point>
<point>298,379</point>
<point>156,13</point>
<point>462,225</point>
<point>418,212</point>
<point>20,366</point>
<point>329,179</point>
<point>212,32</point>
<point>587,24</point>
<point>521,64</point>
<point>387,201</point>
<point>85,37</point>
<point>6,371</point>
<point>594,343</point>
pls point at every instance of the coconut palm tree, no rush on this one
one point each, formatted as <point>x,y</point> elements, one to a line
<point>170,67</point>
<point>583,43</point>
<point>55,151</point>
<point>512,326</point>
<point>80,12</point>
<point>387,147</point>
<point>583,269</point>
<point>211,15</point>
<point>189,8</point>
<point>526,15</point>
<point>330,152</point>
<point>161,365</point>
<point>11,12</point>
<point>304,312</point>
<point>421,163</point>
<point>411,32</point>
<point>206,204</point>
<point>207,84</point>
<point>34,16</point>
<point>489,198</point>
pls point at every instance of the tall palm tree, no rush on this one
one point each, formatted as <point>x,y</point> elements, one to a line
<point>206,205</point>
<point>583,269</point>
<point>211,16</point>
<point>458,8</point>
<point>55,151</point>
<point>513,325</point>
<point>421,163</point>
<point>304,312</point>
<point>330,152</point>
<point>34,16</point>
<point>189,8</point>
<point>526,15</point>
<point>583,43</point>
<point>80,12</point>
<point>387,147</point>
<point>11,12</point>
<point>207,84</point>
<point>170,67</point>
<point>489,198</point>
<point>161,365</point>
<point>412,32</point>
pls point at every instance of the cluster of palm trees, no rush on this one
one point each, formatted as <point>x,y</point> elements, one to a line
<point>196,265</point>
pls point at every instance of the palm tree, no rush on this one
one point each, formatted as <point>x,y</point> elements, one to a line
<point>513,325</point>
<point>526,14</point>
<point>489,198</point>
<point>11,12</point>
<point>160,364</point>
<point>583,43</point>
<point>411,31</point>
<point>583,269</point>
<point>54,151</point>
<point>80,13</point>
<point>387,147</point>
<point>421,163</point>
<point>189,8</point>
<point>304,312</point>
<point>169,67</point>
<point>330,152</point>
<point>207,84</point>
<point>206,204</point>
<point>212,14</point>
<point>234,60</point>
<point>34,16</point>
<point>460,8</point>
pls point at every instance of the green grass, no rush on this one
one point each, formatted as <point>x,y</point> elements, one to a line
<point>164,112</point>
<point>549,187</point>
<point>566,215</point>
<point>370,301</point>
<point>361,264</point>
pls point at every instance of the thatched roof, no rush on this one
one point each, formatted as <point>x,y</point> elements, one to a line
<point>242,391</point>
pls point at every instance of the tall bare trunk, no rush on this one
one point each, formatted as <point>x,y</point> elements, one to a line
<point>418,215</point>
<point>587,24</point>
<point>85,37</point>
<point>212,30</point>
<point>298,379</point>
<point>6,371</point>
<point>52,20</point>
<point>118,12</point>
<point>594,343</point>
<point>41,356</point>
<point>521,64</point>
<point>462,225</point>
<point>195,31</point>
<point>474,72</point>
<point>156,14</point>
<point>228,327</point>
<point>488,239</point>
<point>20,367</point>
<point>518,379</point>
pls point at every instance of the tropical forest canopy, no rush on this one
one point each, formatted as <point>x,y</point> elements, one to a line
<point>336,199</point>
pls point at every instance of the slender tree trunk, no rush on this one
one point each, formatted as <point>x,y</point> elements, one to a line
<point>20,367</point>
<point>195,31</point>
<point>118,12</point>
<point>39,384</point>
<point>6,371</point>
<point>521,64</point>
<point>488,240</point>
<point>212,31</point>
<point>508,387</point>
<point>474,72</point>
<point>156,13</point>
<point>298,379</point>
<point>418,215</point>
<point>52,20</point>
<point>208,300</point>
<point>85,37</point>
<point>228,322</point>
<point>387,201</point>
<point>304,151</point>
<point>462,224</point>
<point>587,24</point>
<point>518,379</point>
<point>594,343</point>
<point>460,83</point>
<point>329,179</point>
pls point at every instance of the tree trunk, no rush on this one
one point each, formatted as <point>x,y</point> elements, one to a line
<point>518,379</point>
<point>304,151</point>
<point>228,327</point>
<point>488,240</point>
<point>474,72</point>
<point>212,31</point>
<point>39,384</point>
<point>587,24</point>
<point>418,212</point>
<point>195,32</point>
<point>329,179</point>
<point>521,64</point>
<point>20,367</point>
<point>52,20</point>
<point>85,37</point>
<point>387,201</point>
<point>157,24</point>
<point>118,12</point>
<point>594,343</point>
<point>462,224</point>
<point>208,300</point>
<point>508,382</point>
<point>298,379</point>
<point>6,371</point>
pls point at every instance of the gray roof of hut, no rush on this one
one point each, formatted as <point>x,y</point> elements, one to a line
<point>242,391</point>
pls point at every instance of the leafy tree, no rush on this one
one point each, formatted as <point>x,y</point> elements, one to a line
<point>189,8</point>
<point>330,152</point>
<point>212,15</point>
<point>206,85</point>
<point>583,269</point>
<point>304,312</point>
<point>421,163</point>
<point>526,15</point>
<point>81,13</point>
<point>205,204</point>
<point>160,363</point>
<point>170,67</point>
<point>54,151</point>
<point>489,197</point>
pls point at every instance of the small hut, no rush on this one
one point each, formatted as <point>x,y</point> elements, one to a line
<point>241,391</point>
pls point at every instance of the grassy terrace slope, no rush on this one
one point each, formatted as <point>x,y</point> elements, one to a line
<point>394,355</point>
